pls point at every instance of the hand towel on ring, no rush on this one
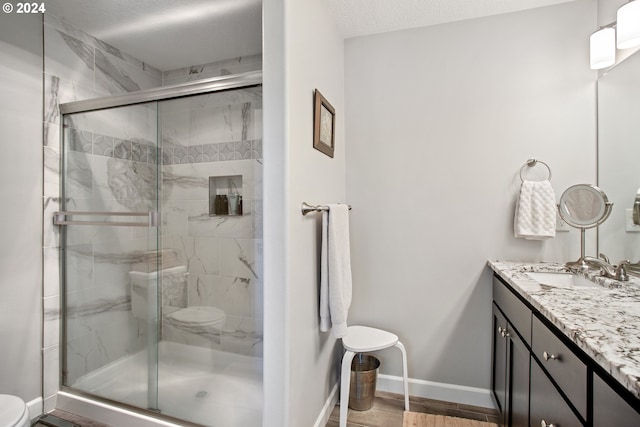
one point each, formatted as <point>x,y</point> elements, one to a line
<point>535,216</point>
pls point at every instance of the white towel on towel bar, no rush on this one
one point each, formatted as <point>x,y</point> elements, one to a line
<point>535,217</point>
<point>335,270</point>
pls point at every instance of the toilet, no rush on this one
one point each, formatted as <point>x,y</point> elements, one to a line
<point>144,287</point>
<point>13,412</point>
<point>200,318</point>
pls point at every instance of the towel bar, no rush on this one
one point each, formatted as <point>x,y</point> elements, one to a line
<point>61,218</point>
<point>306,208</point>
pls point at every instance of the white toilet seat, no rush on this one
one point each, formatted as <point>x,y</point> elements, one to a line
<point>13,412</point>
<point>198,316</point>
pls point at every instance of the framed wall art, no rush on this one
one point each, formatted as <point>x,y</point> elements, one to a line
<point>324,124</point>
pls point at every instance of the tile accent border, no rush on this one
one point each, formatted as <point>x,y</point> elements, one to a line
<point>146,152</point>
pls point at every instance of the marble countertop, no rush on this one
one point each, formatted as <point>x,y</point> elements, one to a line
<point>604,321</point>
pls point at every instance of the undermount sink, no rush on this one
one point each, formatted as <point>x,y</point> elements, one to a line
<point>562,280</point>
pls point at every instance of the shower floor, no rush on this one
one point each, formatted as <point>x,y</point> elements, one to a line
<point>208,387</point>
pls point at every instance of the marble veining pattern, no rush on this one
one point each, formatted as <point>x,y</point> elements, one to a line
<point>121,81</point>
<point>73,59</point>
<point>105,67</point>
<point>603,321</point>
<point>64,27</point>
<point>80,49</point>
<point>92,308</point>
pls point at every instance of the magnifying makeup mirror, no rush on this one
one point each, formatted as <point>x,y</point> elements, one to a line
<point>583,206</point>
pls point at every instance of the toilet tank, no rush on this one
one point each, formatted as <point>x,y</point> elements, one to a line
<point>144,290</point>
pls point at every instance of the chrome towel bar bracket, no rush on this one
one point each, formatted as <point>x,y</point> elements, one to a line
<point>306,208</point>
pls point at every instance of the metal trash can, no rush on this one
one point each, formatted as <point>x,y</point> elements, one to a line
<point>364,373</point>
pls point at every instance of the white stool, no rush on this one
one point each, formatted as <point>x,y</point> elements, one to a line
<point>362,339</point>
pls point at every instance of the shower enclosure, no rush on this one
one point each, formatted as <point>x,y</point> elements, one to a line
<point>161,229</point>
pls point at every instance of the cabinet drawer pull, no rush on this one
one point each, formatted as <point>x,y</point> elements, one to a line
<point>503,331</point>
<point>543,423</point>
<point>548,356</point>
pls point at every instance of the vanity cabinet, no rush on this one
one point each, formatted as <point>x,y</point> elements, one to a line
<point>510,373</point>
<point>540,377</point>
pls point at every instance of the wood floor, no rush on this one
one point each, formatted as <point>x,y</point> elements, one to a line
<point>388,408</point>
<point>73,419</point>
<point>386,412</point>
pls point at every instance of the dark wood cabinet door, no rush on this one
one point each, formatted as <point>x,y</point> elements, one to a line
<point>547,405</point>
<point>609,409</point>
<point>499,359</point>
<point>518,393</point>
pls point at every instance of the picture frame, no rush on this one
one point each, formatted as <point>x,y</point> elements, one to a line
<point>324,124</point>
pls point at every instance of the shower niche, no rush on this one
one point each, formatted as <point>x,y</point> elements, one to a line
<point>225,195</point>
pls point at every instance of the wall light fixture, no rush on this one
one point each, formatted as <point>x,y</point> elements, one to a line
<point>624,33</point>
<point>602,48</point>
<point>628,18</point>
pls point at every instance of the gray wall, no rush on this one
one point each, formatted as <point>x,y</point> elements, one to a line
<point>439,121</point>
<point>21,195</point>
<point>276,360</point>
<point>300,361</point>
<point>315,178</point>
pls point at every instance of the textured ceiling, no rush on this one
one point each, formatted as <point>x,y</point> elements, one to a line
<point>363,17</point>
<point>171,34</point>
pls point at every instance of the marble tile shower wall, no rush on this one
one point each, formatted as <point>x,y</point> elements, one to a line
<point>221,254</point>
<point>216,135</point>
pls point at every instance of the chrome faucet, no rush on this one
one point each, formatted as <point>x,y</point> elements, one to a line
<point>617,272</point>
<point>621,271</point>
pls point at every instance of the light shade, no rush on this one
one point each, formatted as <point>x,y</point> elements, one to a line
<point>602,47</point>
<point>628,20</point>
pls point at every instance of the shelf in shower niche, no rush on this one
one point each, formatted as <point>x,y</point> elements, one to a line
<point>225,195</point>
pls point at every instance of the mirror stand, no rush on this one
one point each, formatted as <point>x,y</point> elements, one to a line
<point>580,264</point>
<point>583,206</point>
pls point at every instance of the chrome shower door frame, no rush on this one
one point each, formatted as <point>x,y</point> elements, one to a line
<point>199,87</point>
<point>151,220</point>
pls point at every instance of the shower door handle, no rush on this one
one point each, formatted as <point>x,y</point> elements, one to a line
<point>62,218</point>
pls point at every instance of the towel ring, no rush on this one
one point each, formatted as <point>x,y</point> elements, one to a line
<point>531,163</point>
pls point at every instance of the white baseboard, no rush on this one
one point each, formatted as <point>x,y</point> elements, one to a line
<point>35,408</point>
<point>325,413</point>
<point>439,391</point>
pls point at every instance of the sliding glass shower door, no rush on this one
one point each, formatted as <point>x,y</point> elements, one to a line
<point>110,202</point>
<point>161,234</point>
